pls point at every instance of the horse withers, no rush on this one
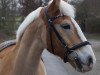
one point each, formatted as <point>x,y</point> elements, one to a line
<point>52,27</point>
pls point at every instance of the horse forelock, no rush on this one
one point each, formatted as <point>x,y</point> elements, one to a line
<point>29,19</point>
<point>66,8</point>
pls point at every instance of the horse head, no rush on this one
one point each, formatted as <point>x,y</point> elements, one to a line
<point>65,38</point>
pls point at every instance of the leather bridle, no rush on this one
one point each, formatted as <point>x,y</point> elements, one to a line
<point>63,43</point>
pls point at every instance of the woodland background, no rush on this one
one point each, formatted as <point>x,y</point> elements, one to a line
<point>13,12</point>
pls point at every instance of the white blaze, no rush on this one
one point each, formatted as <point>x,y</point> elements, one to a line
<point>86,50</point>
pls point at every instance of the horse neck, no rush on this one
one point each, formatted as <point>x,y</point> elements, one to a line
<point>30,50</point>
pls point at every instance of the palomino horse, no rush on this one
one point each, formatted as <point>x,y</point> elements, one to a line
<point>53,28</point>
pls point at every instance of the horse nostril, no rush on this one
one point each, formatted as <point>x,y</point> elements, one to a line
<point>90,60</point>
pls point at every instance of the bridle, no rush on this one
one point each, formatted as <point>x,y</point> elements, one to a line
<point>63,43</point>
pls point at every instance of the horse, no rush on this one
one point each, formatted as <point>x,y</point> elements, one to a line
<point>53,28</point>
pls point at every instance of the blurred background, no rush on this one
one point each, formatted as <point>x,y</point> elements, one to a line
<point>13,12</point>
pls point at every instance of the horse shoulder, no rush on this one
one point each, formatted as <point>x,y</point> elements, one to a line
<point>7,57</point>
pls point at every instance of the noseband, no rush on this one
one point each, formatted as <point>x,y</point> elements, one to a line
<point>63,43</point>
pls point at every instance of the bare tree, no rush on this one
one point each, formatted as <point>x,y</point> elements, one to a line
<point>88,11</point>
<point>7,15</point>
<point>31,5</point>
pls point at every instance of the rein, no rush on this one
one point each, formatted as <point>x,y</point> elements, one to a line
<point>66,48</point>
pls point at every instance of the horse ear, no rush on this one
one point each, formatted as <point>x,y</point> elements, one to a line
<point>56,2</point>
<point>54,7</point>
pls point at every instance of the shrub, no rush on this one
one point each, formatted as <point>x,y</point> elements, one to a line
<point>93,25</point>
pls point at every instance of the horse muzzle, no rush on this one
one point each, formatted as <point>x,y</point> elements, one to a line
<point>84,67</point>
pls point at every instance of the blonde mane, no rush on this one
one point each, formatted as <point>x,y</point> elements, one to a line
<point>67,9</point>
<point>64,7</point>
<point>29,19</point>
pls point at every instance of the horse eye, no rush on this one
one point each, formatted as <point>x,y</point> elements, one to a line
<point>65,26</point>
